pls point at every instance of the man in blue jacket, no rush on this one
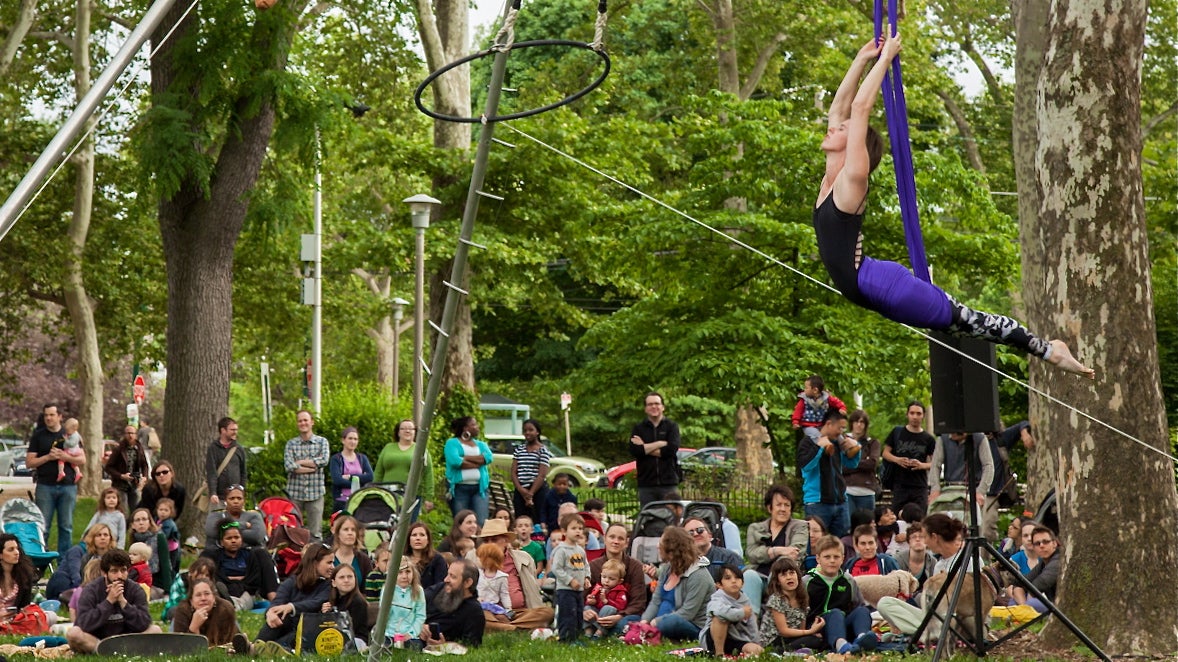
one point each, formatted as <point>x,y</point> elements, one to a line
<point>824,492</point>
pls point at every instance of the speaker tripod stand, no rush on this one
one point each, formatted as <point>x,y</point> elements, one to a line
<point>966,567</point>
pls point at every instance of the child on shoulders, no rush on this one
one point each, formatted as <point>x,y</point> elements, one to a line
<point>813,402</point>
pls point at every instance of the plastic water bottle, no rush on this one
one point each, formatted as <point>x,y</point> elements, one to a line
<point>355,484</point>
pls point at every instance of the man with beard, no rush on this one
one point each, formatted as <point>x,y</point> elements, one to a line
<point>452,611</point>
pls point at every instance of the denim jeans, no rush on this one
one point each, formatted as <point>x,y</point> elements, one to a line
<point>620,627</point>
<point>60,499</point>
<point>468,497</point>
<point>754,588</point>
<point>860,503</point>
<point>677,628</point>
<point>836,517</point>
<point>845,626</point>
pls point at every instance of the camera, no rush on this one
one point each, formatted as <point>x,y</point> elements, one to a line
<point>136,476</point>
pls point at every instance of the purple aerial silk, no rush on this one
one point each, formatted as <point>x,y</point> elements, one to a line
<point>896,109</point>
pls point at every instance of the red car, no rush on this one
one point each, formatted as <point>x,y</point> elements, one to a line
<point>620,476</point>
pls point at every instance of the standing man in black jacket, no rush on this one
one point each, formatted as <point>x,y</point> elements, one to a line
<point>234,473</point>
<point>654,443</point>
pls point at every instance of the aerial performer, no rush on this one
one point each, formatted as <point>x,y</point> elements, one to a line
<point>853,150</point>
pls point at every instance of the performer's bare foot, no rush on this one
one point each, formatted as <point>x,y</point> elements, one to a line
<point>1062,357</point>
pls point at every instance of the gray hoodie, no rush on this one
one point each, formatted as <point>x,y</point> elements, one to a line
<point>723,606</point>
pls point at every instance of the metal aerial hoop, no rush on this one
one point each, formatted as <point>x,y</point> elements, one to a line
<point>504,43</point>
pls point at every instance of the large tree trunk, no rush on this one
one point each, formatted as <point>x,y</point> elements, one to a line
<point>81,308</point>
<point>199,234</point>
<point>1086,279</point>
<point>25,17</point>
<point>753,456</point>
<point>444,35</point>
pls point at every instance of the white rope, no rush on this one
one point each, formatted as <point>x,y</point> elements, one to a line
<point>95,119</point>
<point>507,32</point>
<point>599,32</point>
<point>810,278</point>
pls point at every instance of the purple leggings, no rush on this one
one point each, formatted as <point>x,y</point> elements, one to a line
<point>894,292</point>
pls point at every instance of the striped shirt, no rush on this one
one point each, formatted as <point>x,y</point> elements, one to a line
<point>528,463</point>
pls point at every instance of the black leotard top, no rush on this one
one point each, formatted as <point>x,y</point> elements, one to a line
<point>838,233</point>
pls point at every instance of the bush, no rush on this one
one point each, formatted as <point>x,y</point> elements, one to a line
<point>367,407</point>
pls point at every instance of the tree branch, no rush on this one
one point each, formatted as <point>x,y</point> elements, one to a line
<point>992,83</point>
<point>966,131</point>
<point>1158,119</point>
<point>378,285</point>
<point>312,13</point>
<point>431,39</point>
<point>47,297</point>
<point>117,20</point>
<point>56,36</point>
<point>25,17</point>
<point>758,71</point>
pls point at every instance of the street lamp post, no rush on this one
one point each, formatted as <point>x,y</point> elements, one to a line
<point>398,314</point>
<point>420,206</point>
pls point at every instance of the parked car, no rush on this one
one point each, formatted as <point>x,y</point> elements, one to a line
<point>12,461</point>
<point>581,471</point>
<point>621,476</point>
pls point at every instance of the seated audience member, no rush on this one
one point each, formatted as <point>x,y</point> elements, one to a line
<point>1011,543</point>
<point>407,616</point>
<point>858,519</point>
<point>201,568</point>
<point>783,623</point>
<point>732,626</point>
<point>557,496</point>
<point>1026,558</point>
<point>678,604</point>
<point>835,598</point>
<point>780,536</point>
<point>817,530</point>
<point>145,530</point>
<point>494,596</point>
<point>917,559</point>
<point>867,559</point>
<point>347,535</point>
<point>465,527</point>
<point>596,508</point>
<point>252,526</point>
<point>374,581</point>
<point>205,613</point>
<point>1043,576</point>
<point>452,610</point>
<point>946,539</point>
<point>419,548</point>
<point>92,571</point>
<point>605,598</point>
<point>140,572</point>
<point>526,602</point>
<point>97,540</point>
<point>18,577</point>
<point>346,596</point>
<point>248,572</point>
<point>523,531</point>
<point>888,530</point>
<point>110,605</point>
<point>304,591</point>
<point>717,556</point>
<point>617,540</point>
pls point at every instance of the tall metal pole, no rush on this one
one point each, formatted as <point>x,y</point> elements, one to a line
<point>317,305</point>
<point>438,366</point>
<point>398,315</point>
<point>418,314</point>
<point>420,205</point>
<point>76,123</point>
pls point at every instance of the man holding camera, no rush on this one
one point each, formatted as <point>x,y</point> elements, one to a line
<point>110,605</point>
<point>453,612</point>
<point>128,469</point>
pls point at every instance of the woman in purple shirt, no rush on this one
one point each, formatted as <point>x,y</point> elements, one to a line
<point>346,465</point>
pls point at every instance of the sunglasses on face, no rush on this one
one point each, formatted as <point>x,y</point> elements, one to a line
<point>1040,543</point>
<point>162,472</point>
<point>697,531</point>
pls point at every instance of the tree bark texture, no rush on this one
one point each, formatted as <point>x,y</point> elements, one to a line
<point>1086,280</point>
<point>752,455</point>
<point>444,32</point>
<point>199,233</point>
<point>81,308</point>
<point>25,17</point>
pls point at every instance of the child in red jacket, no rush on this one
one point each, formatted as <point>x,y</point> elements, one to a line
<point>813,402</point>
<point>608,597</point>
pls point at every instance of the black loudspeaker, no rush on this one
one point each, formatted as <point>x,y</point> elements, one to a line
<point>965,394</point>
